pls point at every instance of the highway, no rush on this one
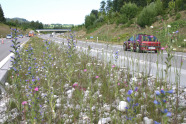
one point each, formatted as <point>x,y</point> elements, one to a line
<point>4,48</point>
<point>141,62</point>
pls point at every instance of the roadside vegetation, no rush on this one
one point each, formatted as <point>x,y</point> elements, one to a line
<point>54,83</point>
<point>118,20</point>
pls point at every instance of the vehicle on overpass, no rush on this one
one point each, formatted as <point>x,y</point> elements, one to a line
<point>142,43</point>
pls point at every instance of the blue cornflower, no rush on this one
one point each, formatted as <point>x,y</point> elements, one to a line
<point>170,91</point>
<point>130,92</point>
<point>128,99</point>
<point>157,92</point>
<point>176,31</point>
<point>33,80</point>
<point>168,114</point>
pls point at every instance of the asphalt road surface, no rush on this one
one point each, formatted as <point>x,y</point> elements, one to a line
<point>5,47</point>
<point>150,62</point>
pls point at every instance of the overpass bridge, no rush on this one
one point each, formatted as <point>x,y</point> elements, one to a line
<point>52,30</point>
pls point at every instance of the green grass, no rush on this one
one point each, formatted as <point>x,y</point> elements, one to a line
<point>47,72</point>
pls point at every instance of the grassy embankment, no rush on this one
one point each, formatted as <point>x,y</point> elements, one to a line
<point>116,34</point>
<point>5,29</point>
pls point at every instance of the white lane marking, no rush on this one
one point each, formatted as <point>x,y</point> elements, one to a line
<point>5,60</point>
<point>2,63</point>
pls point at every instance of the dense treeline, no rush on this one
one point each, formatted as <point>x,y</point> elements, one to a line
<point>142,12</point>
<point>16,23</point>
<point>25,25</point>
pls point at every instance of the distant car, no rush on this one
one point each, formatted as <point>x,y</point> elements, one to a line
<point>20,36</point>
<point>9,36</point>
<point>142,42</point>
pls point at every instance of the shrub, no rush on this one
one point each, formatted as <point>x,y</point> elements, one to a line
<point>178,16</point>
<point>89,20</point>
<point>179,5</point>
<point>122,19</point>
<point>130,10</point>
<point>147,15</point>
<point>159,7</point>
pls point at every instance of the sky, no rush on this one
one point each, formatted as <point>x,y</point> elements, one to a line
<point>50,11</point>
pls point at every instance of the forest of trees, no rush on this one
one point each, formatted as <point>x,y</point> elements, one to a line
<point>142,12</point>
<point>16,23</point>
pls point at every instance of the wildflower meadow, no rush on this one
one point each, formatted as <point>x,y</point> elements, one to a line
<point>52,83</point>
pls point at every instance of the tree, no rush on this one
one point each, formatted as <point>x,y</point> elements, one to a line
<point>102,6</point>
<point>2,18</point>
<point>89,20</point>
<point>109,6</point>
<point>130,10</point>
<point>95,12</point>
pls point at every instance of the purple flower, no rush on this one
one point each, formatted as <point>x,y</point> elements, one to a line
<point>130,92</point>
<point>155,122</point>
<point>170,91</point>
<point>136,89</point>
<point>157,92</point>
<point>165,111</point>
<point>136,104</point>
<point>162,91</point>
<point>128,99</point>
<point>168,114</point>
<point>164,101</point>
<point>156,102</point>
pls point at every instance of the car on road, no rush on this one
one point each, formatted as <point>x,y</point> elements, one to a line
<point>20,36</point>
<point>142,43</point>
<point>8,36</point>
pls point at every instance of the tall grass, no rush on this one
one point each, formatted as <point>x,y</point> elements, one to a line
<point>54,83</point>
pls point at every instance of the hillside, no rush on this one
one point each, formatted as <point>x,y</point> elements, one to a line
<point>116,34</point>
<point>5,29</point>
